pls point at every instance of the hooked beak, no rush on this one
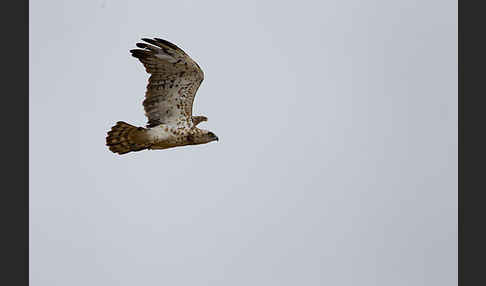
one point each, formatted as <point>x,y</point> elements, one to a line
<point>217,139</point>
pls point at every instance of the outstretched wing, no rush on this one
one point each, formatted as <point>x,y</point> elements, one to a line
<point>174,80</point>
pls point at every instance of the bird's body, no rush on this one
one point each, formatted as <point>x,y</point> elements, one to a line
<point>173,84</point>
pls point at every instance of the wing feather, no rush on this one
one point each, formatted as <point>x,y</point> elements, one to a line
<point>173,83</point>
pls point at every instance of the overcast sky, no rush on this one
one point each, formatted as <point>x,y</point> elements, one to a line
<point>337,158</point>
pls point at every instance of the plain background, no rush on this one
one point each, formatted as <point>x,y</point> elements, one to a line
<point>337,159</point>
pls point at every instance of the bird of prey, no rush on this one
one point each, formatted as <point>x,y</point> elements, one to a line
<point>174,80</point>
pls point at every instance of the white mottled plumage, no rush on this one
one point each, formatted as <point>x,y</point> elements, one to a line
<point>173,83</point>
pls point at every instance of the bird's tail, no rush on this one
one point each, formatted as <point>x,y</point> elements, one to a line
<point>124,138</point>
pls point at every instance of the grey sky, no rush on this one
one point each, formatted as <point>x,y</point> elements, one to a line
<point>337,158</point>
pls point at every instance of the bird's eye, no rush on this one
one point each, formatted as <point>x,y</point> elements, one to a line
<point>211,134</point>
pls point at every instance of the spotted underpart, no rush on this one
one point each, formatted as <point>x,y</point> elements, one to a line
<point>164,137</point>
<point>173,83</point>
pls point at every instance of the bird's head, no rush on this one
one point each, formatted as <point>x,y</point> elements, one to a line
<point>210,136</point>
<point>202,137</point>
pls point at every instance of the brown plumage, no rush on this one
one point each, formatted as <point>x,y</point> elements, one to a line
<point>173,83</point>
<point>123,138</point>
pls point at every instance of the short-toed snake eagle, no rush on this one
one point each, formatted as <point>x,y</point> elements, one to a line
<point>174,80</point>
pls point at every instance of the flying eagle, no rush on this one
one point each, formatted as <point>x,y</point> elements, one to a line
<point>174,80</point>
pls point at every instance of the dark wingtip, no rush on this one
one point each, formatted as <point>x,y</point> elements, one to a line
<point>167,43</point>
<point>139,53</point>
<point>150,41</point>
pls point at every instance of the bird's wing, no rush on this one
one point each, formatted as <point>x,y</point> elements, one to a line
<point>174,80</point>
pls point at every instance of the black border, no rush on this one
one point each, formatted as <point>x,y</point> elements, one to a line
<point>460,35</point>
<point>471,66</point>
<point>14,189</point>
